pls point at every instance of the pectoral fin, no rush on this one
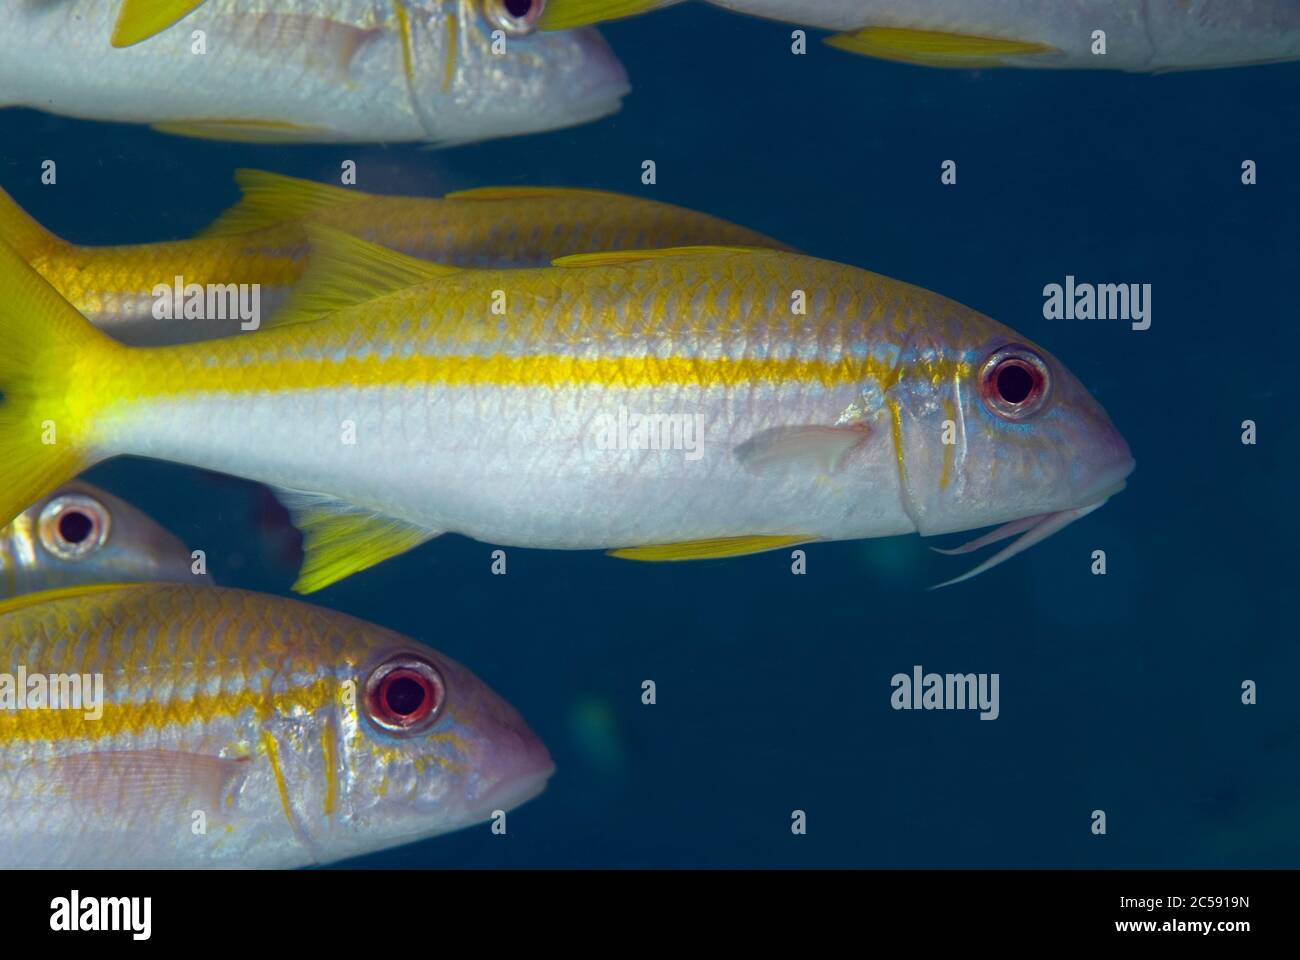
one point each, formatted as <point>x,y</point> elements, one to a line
<point>931,48</point>
<point>708,549</point>
<point>271,199</point>
<point>135,782</point>
<point>821,448</point>
<point>141,19</point>
<point>339,539</point>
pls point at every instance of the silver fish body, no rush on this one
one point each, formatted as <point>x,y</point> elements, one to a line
<point>308,71</point>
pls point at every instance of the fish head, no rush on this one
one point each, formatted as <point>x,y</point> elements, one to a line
<point>481,68</point>
<point>80,534</point>
<point>428,748</point>
<point>992,428</point>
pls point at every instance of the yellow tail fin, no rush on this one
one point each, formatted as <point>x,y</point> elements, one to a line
<point>46,348</point>
<point>23,233</point>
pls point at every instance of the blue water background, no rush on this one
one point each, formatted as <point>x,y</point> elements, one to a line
<point>1119,692</point>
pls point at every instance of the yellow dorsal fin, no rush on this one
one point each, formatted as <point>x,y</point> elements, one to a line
<point>141,19</point>
<point>931,48</point>
<point>272,198</point>
<point>525,193</point>
<point>708,549</point>
<point>339,539</point>
<point>566,14</point>
<point>343,270</point>
<point>20,231</point>
<point>611,257</point>
<point>61,593</point>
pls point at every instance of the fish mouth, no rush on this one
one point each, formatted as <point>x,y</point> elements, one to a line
<point>517,789</point>
<point>1033,529</point>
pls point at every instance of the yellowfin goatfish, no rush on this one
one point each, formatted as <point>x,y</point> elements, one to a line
<point>1137,35</point>
<point>260,243</point>
<point>672,404</point>
<point>80,534</point>
<point>158,725</point>
<point>440,71</point>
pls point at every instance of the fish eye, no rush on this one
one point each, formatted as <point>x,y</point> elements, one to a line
<point>405,695</point>
<point>517,18</point>
<point>1014,382</point>
<point>73,526</point>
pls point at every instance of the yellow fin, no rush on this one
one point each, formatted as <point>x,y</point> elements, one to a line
<point>611,257</point>
<point>566,14</point>
<point>43,411</point>
<point>242,131</point>
<point>271,199</point>
<point>708,549</point>
<point>934,49</point>
<point>23,233</point>
<point>524,193</point>
<point>141,19</point>
<point>343,270</point>
<point>339,539</point>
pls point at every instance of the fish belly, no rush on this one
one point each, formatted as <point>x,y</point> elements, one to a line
<point>337,75</point>
<point>559,467</point>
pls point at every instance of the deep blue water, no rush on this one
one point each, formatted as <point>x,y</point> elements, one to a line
<point>1119,692</point>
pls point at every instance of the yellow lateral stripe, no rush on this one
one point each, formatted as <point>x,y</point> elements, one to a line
<point>273,755</point>
<point>137,381</point>
<point>135,718</point>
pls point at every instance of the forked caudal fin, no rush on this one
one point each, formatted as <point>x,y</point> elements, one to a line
<point>1034,530</point>
<point>47,347</point>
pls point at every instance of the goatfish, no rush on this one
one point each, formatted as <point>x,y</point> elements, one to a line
<point>169,726</point>
<point>248,260</point>
<point>308,71</point>
<point>80,534</point>
<point>672,404</point>
<point>1145,36</point>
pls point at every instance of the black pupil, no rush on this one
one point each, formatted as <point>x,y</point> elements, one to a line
<point>74,526</point>
<point>405,696</point>
<point>1015,383</point>
<point>518,8</point>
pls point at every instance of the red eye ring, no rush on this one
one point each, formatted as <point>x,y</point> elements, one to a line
<point>1015,382</point>
<point>404,695</point>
